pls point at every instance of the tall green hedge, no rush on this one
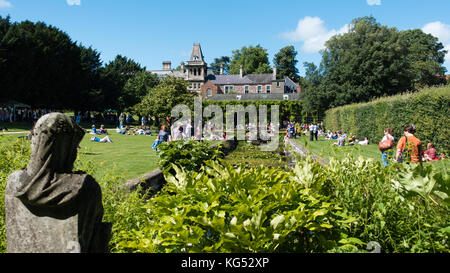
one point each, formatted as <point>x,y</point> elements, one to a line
<point>427,109</point>
<point>289,109</point>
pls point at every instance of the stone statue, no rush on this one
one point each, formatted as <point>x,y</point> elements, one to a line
<point>50,209</point>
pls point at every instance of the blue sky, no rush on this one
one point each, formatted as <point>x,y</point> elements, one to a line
<point>151,32</point>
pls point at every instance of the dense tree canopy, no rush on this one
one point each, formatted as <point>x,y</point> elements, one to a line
<point>223,61</point>
<point>286,62</point>
<point>137,88</point>
<point>369,61</point>
<point>115,75</point>
<point>254,60</point>
<point>39,65</point>
<point>162,98</point>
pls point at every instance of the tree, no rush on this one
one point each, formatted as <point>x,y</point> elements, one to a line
<point>114,77</point>
<point>40,65</point>
<point>5,24</point>
<point>91,96</point>
<point>224,61</point>
<point>254,60</point>
<point>286,62</point>
<point>136,88</point>
<point>372,61</point>
<point>164,97</point>
<point>426,56</point>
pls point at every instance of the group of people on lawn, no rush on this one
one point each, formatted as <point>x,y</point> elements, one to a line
<point>297,129</point>
<point>342,137</point>
<point>408,147</point>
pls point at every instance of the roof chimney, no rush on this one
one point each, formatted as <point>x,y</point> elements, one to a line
<point>182,67</point>
<point>274,75</point>
<point>241,71</point>
<point>167,65</point>
<point>221,69</point>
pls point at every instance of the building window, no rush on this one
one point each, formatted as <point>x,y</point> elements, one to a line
<point>268,88</point>
<point>259,89</point>
<point>209,92</point>
<point>246,88</point>
<point>278,84</point>
<point>229,88</point>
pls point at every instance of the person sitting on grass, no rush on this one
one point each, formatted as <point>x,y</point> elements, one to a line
<point>139,131</point>
<point>102,130</point>
<point>106,139</point>
<point>340,140</point>
<point>163,136</point>
<point>351,140</point>
<point>127,130</point>
<point>365,142</point>
<point>430,154</point>
<point>120,131</point>
<point>94,130</point>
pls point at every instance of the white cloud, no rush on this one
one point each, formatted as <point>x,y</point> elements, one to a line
<point>313,33</point>
<point>442,32</point>
<point>5,4</point>
<point>374,2</point>
<point>438,29</point>
<point>74,2</point>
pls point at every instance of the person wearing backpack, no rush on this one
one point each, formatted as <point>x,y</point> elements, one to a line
<point>386,144</point>
<point>410,144</point>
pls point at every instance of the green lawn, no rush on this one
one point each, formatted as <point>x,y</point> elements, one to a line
<point>15,126</point>
<point>132,156</point>
<point>324,149</point>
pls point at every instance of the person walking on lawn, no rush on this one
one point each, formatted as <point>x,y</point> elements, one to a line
<point>386,145</point>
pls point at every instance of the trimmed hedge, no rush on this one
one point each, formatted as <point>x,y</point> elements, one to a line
<point>289,109</point>
<point>427,109</point>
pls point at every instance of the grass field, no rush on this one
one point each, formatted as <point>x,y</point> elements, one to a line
<point>131,156</point>
<point>324,149</point>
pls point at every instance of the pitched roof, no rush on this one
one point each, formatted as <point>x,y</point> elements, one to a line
<point>167,73</point>
<point>229,79</point>
<point>197,54</point>
<point>260,78</point>
<point>249,97</point>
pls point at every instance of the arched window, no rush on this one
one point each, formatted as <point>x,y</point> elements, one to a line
<point>209,92</point>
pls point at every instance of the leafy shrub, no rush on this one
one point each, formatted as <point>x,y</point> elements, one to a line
<point>13,157</point>
<point>289,109</point>
<point>187,154</point>
<point>428,109</point>
<point>402,207</point>
<point>226,209</point>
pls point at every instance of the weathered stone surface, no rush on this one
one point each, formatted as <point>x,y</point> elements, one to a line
<point>49,209</point>
<point>27,232</point>
<point>153,180</point>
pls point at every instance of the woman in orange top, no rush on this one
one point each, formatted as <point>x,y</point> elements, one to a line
<point>411,144</point>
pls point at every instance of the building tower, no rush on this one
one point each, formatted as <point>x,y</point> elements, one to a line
<point>196,69</point>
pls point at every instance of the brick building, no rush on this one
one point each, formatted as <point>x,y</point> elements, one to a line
<point>208,85</point>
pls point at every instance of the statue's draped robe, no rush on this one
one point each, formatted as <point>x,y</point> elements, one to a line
<point>49,187</point>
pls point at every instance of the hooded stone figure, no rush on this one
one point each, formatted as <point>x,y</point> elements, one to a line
<point>47,203</point>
